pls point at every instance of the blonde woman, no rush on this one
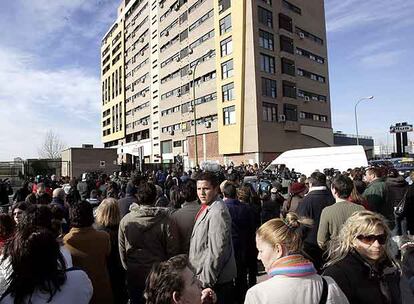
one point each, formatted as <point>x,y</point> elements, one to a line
<point>293,278</point>
<point>107,219</point>
<point>360,263</point>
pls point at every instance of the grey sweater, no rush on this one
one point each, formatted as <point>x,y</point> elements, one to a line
<point>332,219</point>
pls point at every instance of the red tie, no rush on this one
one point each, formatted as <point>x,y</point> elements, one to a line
<point>203,207</point>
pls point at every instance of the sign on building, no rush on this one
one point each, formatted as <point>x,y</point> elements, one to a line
<point>401,129</point>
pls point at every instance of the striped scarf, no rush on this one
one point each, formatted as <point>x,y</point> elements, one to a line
<point>292,266</point>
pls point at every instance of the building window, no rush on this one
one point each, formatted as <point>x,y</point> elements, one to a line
<point>269,2</point>
<point>302,34</point>
<point>288,67</point>
<point>267,63</point>
<point>310,55</point>
<point>285,22</point>
<point>229,115</point>
<point>226,47</point>
<point>291,7</point>
<point>166,146</point>
<point>224,5</point>
<point>310,75</point>
<point>184,35</point>
<point>290,111</point>
<point>286,44</point>
<point>177,144</point>
<point>266,40</point>
<point>265,17</point>
<point>225,24</point>
<point>227,69</point>
<point>269,112</point>
<point>289,89</point>
<point>269,88</point>
<point>228,91</point>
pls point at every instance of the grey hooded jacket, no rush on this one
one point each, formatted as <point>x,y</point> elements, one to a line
<point>147,236</point>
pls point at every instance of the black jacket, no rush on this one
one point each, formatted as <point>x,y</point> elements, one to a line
<point>125,203</point>
<point>311,207</point>
<point>115,269</point>
<point>271,207</point>
<point>362,284</point>
<point>407,278</point>
<point>409,211</point>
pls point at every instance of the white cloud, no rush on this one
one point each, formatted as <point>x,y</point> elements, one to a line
<point>344,15</point>
<point>382,60</point>
<point>35,99</point>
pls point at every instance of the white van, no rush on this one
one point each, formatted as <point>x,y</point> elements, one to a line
<point>306,161</point>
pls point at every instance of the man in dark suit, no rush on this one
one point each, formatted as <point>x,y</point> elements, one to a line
<point>318,197</point>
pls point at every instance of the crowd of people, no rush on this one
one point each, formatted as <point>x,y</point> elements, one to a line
<point>210,237</point>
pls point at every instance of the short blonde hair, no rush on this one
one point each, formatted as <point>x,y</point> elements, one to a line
<point>107,213</point>
<point>284,232</point>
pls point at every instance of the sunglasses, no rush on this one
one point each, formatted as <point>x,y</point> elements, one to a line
<point>370,239</point>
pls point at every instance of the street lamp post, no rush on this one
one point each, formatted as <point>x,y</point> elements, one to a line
<point>194,105</point>
<point>356,117</point>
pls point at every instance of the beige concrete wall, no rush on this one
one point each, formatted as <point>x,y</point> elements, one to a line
<point>86,160</point>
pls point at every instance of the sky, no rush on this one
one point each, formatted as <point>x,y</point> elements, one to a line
<point>50,69</point>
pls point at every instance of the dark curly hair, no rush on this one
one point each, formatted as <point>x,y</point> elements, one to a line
<point>189,191</point>
<point>81,215</point>
<point>164,279</point>
<point>146,194</point>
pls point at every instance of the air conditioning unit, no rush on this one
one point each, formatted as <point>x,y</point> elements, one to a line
<point>145,122</point>
<point>307,98</point>
<point>167,33</point>
<point>207,124</point>
<point>141,40</point>
<point>161,5</point>
<point>143,94</point>
<point>177,7</point>
<point>190,51</point>
<point>301,35</point>
<point>171,132</point>
<point>142,53</point>
<point>178,59</point>
<point>190,109</point>
<point>282,118</point>
<point>190,72</point>
<point>220,7</point>
<point>178,94</point>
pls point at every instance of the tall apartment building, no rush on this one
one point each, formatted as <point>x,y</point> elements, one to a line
<point>257,68</point>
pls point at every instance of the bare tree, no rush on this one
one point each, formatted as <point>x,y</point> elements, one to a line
<point>52,146</point>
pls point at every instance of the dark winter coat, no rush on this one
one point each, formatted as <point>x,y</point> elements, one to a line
<point>409,211</point>
<point>396,187</point>
<point>362,284</point>
<point>125,203</point>
<point>311,207</point>
<point>115,269</point>
<point>407,278</point>
<point>375,194</point>
<point>271,207</point>
<point>185,220</point>
<point>242,224</point>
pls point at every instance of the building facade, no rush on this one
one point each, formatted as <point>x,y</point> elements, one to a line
<point>249,77</point>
